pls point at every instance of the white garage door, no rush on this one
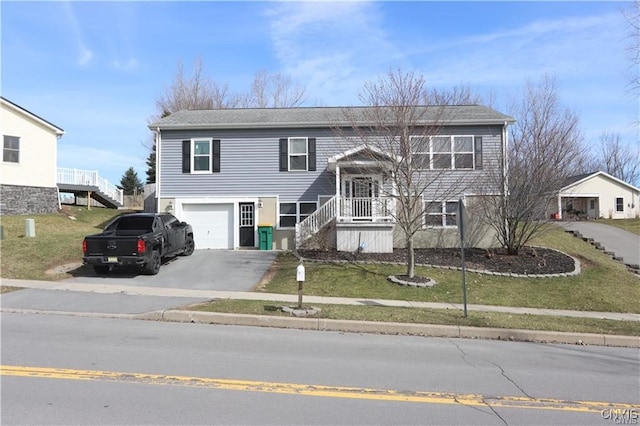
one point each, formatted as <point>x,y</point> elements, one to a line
<point>212,224</point>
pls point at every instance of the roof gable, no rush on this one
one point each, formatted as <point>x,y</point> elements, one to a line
<point>15,107</point>
<point>578,179</point>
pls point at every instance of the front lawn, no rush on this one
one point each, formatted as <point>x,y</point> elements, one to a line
<point>603,285</point>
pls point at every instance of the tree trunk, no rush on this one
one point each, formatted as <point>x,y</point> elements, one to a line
<point>411,259</point>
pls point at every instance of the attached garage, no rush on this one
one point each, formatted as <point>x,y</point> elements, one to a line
<point>212,224</point>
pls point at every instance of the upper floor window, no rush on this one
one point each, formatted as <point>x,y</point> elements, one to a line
<point>297,154</point>
<point>447,152</point>
<point>201,156</point>
<point>11,149</point>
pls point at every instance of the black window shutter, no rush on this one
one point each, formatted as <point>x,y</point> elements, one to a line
<point>312,154</point>
<point>216,156</point>
<point>186,156</point>
<point>477,143</point>
<point>284,154</point>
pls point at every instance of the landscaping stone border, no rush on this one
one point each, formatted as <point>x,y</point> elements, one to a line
<point>632,268</point>
<point>576,271</point>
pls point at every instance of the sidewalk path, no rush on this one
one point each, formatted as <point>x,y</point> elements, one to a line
<point>179,294</point>
<point>623,243</point>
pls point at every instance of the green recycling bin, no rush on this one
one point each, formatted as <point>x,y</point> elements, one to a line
<point>265,237</point>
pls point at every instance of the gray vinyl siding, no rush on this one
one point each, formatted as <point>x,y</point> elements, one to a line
<point>249,164</point>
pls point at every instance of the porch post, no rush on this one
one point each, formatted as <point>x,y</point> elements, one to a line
<point>337,180</point>
<point>559,206</point>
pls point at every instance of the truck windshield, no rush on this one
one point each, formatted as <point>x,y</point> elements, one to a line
<point>137,224</point>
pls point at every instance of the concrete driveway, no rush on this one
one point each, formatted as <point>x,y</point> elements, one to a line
<point>623,243</point>
<point>228,270</point>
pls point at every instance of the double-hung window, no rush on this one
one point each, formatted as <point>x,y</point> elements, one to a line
<point>201,159</point>
<point>297,154</point>
<point>447,152</point>
<point>11,149</point>
<point>201,155</point>
<point>619,205</point>
<point>440,214</point>
<point>292,213</point>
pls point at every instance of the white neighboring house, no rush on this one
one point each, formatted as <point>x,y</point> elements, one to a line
<point>597,195</point>
<point>29,161</point>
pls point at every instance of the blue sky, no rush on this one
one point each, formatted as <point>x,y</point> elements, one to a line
<point>96,68</point>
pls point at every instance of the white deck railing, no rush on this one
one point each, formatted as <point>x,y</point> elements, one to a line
<point>363,210</point>
<point>90,178</point>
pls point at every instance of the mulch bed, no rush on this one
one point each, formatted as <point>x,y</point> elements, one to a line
<point>529,261</point>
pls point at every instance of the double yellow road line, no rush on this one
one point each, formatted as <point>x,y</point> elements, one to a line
<point>315,390</point>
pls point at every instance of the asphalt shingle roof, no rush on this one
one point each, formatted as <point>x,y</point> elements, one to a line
<point>318,117</point>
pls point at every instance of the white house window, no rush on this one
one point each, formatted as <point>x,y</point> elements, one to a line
<point>201,158</point>
<point>440,214</point>
<point>11,149</point>
<point>298,154</point>
<point>292,213</point>
<point>619,205</point>
<point>447,152</point>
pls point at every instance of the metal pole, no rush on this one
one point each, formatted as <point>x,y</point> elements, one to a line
<point>464,271</point>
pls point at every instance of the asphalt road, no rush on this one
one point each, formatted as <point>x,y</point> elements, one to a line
<point>69,370</point>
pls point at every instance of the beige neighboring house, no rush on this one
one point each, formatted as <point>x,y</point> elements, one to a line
<point>596,195</point>
<point>29,161</point>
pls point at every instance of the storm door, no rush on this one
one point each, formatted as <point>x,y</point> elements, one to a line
<point>247,225</point>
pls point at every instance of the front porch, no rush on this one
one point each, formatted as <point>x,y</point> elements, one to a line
<point>363,207</point>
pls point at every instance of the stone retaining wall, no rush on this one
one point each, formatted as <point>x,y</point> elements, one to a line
<point>22,200</point>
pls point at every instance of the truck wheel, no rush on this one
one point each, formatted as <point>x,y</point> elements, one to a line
<point>101,269</point>
<point>189,247</point>
<point>152,267</point>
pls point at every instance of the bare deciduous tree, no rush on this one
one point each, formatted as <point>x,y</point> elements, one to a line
<point>395,138</point>
<point>632,15</point>
<point>618,159</point>
<point>197,91</point>
<point>544,146</point>
<point>274,91</point>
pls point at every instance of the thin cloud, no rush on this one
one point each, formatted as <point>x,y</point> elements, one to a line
<point>329,44</point>
<point>85,55</point>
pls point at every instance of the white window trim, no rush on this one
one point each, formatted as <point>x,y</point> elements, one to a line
<point>443,214</point>
<point>453,151</point>
<point>615,202</point>
<point>193,155</point>
<point>297,215</point>
<point>11,149</point>
<point>306,154</point>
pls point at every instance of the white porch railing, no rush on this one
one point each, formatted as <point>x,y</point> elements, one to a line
<point>315,221</point>
<point>90,178</point>
<point>366,209</point>
<point>355,210</point>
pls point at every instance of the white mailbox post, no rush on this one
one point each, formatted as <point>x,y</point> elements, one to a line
<point>300,278</point>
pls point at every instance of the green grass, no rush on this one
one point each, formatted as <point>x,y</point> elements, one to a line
<point>433,316</point>
<point>603,285</point>
<point>631,225</point>
<point>58,241</point>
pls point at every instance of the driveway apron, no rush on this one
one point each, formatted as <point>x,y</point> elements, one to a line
<point>223,270</point>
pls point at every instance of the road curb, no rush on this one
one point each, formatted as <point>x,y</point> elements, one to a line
<point>426,330</point>
<point>350,326</point>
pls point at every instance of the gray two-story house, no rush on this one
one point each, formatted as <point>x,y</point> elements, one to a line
<point>306,171</point>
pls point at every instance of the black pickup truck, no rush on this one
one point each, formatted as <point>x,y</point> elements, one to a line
<point>138,239</point>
